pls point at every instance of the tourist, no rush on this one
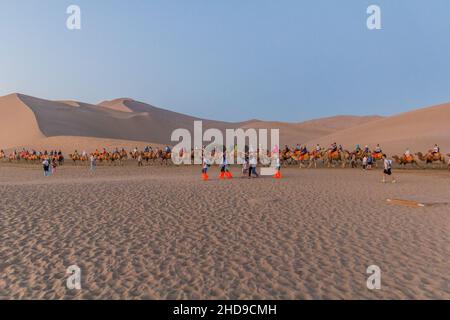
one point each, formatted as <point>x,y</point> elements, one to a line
<point>253,161</point>
<point>46,166</point>
<point>93,161</point>
<point>387,172</point>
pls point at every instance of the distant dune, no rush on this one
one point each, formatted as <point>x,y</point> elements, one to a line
<point>18,123</point>
<point>31,122</point>
<point>418,130</point>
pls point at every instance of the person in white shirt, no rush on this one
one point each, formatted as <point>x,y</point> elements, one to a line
<point>93,161</point>
<point>46,166</point>
<point>407,153</point>
<point>377,149</point>
<point>387,172</point>
<point>205,167</point>
<point>436,149</point>
<point>277,168</point>
<point>318,148</point>
<point>253,161</point>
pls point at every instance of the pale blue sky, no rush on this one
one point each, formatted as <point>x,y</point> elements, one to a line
<point>232,59</point>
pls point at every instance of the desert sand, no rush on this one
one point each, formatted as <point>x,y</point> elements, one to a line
<point>162,233</point>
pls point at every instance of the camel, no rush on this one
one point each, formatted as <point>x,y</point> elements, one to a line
<point>404,160</point>
<point>286,157</point>
<point>164,156</point>
<point>315,156</point>
<point>430,158</point>
<point>301,158</point>
<point>338,156</point>
<point>76,157</point>
<point>117,156</point>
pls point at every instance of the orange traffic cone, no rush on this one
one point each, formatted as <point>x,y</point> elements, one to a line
<point>222,175</point>
<point>277,175</point>
<point>228,175</point>
<point>205,176</point>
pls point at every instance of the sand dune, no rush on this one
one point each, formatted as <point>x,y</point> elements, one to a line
<point>125,119</point>
<point>293,133</point>
<point>26,120</point>
<point>418,130</point>
<point>18,124</point>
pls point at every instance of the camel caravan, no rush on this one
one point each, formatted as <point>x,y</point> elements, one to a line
<point>32,157</point>
<point>334,156</point>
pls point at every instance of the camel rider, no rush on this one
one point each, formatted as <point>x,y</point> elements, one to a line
<point>358,148</point>
<point>366,149</point>
<point>407,153</point>
<point>318,148</point>
<point>333,147</point>
<point>303,150</point>
<point>341,148</point>
<point>377,149</point>
<point>167,149</point>
<point>286,149</point>
<point>298,147</point>
<point>436,149</point>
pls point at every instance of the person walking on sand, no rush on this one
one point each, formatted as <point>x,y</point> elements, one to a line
<point>54,165</point>
<point>139,159</point>
<point>253,161</point>
<point>387,172</point>
<point>277,168</point>
<point>224,168</point>
<point>46,166</point>
<point>205,168</point>
<point>93,161</point>
<point>364,163</point>
<point>245,166</point>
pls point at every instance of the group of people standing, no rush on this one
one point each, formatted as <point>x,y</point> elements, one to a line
<point>49,165</point>
<point>249,164</point>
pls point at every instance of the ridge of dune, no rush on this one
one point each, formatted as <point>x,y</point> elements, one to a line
<point>417,130</point>
<point>13,131</point>
<point>293,133</point>
<point>116,104</point>
<point>70,103</point>
<point>340,122</point>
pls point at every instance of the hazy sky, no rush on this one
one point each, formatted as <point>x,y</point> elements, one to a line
<point>231,59</point>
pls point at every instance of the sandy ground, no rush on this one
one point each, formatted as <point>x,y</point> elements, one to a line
<point>162,233</point>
